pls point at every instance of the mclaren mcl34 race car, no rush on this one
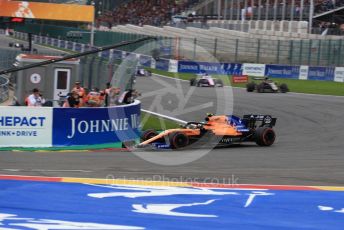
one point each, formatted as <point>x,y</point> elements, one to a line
<point>216,131</point>
<point>266,86</point>
<point>205,80</point>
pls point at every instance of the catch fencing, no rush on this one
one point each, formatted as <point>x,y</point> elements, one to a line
<point>239,47</point>
<point>4,88</point>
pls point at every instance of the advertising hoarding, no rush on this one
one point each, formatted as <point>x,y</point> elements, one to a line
<point>48,11</point>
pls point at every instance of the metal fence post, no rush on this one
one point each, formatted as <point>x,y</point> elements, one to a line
<point>339,53</point>
<point>300,54</point>
<point>291,47</point>
<point>179,47</point>
<point>329,52</point>
<point>310,51</point>
<point>319,52</point>
<point>194,48</point>
<point>278,51</point>
<point>258,51</point>
<point>215,47</point>
<point>236,49</point>
<point>90,72</point>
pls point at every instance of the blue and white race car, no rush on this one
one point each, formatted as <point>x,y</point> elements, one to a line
<point>142,72</point>
<point>205,80</point>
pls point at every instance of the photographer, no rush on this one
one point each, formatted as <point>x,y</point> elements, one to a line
<point>72,100</point>
<point>35,99</point>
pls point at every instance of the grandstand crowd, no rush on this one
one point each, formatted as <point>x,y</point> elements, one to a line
<point>143,12</point>
<point>160,12</point>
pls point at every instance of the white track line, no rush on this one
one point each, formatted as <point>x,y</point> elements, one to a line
<point>164,116</point>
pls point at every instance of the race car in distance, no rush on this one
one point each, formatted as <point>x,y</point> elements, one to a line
<point>223,130</point>
<point>266,86</point>
<point>142,72</point>
<point>205,80</point>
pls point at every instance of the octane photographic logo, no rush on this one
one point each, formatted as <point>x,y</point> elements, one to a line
<point>173,97</point>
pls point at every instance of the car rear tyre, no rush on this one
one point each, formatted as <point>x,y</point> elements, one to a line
<point>260,88</point>
<point>283,88</point>
<point>250,87</point>
<point>192,82</point>
<point>219,82</point>
<point>148,134</point>
<point>178,140</point>
<point>265,136</point>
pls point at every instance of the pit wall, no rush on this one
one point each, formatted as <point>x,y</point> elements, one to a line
<point>279,71</point>
<point>55,127</point>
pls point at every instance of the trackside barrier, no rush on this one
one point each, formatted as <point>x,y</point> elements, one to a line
<point>50,127</point>
<point>251,69</point>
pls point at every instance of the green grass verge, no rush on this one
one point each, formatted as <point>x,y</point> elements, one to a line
<point>298,86</point>
<point>64,148</point>
<point>149,121</point>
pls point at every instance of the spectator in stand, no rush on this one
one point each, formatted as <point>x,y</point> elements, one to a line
<point>94,98</point>
<point>80,91</point>
<point>106,93</point>
<point>72,100</point>
<point>114,96</point>
<point>141,12</point>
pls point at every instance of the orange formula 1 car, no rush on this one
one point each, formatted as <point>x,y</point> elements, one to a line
<point>223,130</point>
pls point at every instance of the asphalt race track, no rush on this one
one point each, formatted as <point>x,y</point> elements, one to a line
<point>308,149</point>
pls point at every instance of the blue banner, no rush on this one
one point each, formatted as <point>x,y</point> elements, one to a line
<point>145,60</point>
<point>162,64</point>
<point>105,54</point>
<point>69,45</point>
<point>165,50</point>
<point>117,54</point>
<point>210,68</point>
<point>321,73</point>
<point>95,125</point>
<point>62,44</point>
<point>88,47</point>
<point>232,68</point>
<point>55,42</point>
<point>78,47</point>
<point>282,71</point>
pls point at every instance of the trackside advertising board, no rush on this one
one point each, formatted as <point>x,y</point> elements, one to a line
<point>256,70</point>
<point>162,64</point>
<point>210,68</point>
<point>25,126</point>
<point>145,60</point>
<point>321,73</point>
<point>87,126</point>
<point>282,71</point>
<point>339,74</point>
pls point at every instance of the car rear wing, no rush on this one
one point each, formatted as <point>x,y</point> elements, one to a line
<point>252,121</point>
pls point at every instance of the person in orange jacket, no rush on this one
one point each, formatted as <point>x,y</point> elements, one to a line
<point>94,98</point>
<point>80,91</point>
